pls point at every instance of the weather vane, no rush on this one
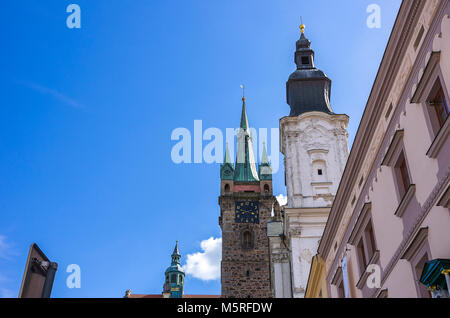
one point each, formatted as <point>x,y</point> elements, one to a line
<point>243,92</point>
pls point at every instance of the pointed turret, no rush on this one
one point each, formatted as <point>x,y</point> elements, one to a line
<point>265,169</point>
<point>174,276</point>
<point>245,167</point>
<point>264,157</point>
<point>227,169</point>
<point>176,255</point>
<point>244,118</point>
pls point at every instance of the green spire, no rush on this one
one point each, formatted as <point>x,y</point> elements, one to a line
<point>265,170</point>
<point>174,276</point>
<point>264,157</point>
<point>176,255</point>
<point>245,166</point>
<point>227,158</point>
<point>227,169</point>
<point>244,118</point>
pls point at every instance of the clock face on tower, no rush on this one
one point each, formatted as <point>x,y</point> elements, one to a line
<point>247,212</point>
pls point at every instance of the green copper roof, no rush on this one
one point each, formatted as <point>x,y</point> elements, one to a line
<point>265,170</point>
<point>227,169</point>
<point>174,276</point>
<point>227,158</point>
<point>244,118</point>
<point>245,167</point>
<point>264,157</point>
<point>175,266</point>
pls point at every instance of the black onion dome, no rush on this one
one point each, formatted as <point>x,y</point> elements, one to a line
<point>308,88</point>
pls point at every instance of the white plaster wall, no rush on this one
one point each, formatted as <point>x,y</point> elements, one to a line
<point>310,141</point>
<point>310,137</point>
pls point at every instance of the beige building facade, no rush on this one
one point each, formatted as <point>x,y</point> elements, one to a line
<point>391,216</point>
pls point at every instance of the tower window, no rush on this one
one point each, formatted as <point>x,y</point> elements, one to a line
<point>227,188</point>
<point>173,279</point>
<point>320,172</point>
<point>305,60</point>
<point>247,240</point>
<point>247,273</point>
<point>266,188</point>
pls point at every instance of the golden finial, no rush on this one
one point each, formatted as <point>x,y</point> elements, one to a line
<point>302,26</point>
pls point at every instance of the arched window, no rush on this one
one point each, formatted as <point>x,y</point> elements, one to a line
<point>266,188</point>
<point>173,279</point>
<point>227,188</point>
<point>247,240</point>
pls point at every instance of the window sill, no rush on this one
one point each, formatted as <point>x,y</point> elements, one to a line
<point>365,275</point>
<point>405,201</point>
<point>325,183</point>
<point>440,140</point>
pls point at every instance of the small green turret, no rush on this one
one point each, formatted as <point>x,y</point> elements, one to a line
<point>174,276</point>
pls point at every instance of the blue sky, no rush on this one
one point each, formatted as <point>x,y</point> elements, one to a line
<point>86,117</point>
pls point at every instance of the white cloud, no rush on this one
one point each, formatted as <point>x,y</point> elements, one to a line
<point>5,248</point>
<point>282,200</point>
<point>205,265</point>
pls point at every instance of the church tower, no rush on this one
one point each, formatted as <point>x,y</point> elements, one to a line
<point>174,277</point>
<point>246,202</point>
<point>314,142</point>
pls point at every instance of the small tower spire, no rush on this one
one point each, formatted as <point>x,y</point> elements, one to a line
<point>176,255</point>
<point>174,276</point>
<point>227,158</point>
<point>265,170</point>
<point>264,157</point>
<point>244,118</point>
